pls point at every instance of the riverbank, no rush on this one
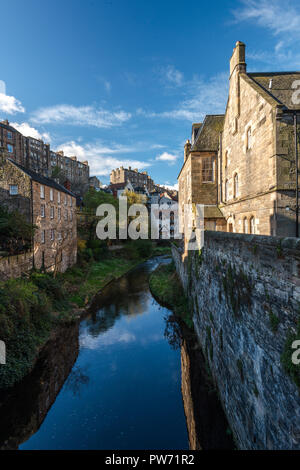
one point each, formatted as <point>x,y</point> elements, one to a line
<point>206,422</point>
<point>34,308</point>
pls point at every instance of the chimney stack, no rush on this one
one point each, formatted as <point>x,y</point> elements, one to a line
<point>187,149</point>
<point>237,60</point>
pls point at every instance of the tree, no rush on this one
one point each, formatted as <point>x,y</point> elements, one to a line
<point>16,233</point>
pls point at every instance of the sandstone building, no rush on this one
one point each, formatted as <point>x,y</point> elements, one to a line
<point>48,206</point>
<point>254,168</point>
<point>136,178</point>
<point>37,156</point>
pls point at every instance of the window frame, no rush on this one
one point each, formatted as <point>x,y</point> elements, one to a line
<point>11,193</point>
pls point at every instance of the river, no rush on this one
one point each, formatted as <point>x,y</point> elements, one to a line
<point>112,382</point>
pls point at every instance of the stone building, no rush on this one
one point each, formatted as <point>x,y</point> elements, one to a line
<point>198,176</point>
<point>124,175</point>
<point>70,172</point>
<point>250,157</point>
<point>257,156</point>
<point>37,156</point>
<point>48,206</point>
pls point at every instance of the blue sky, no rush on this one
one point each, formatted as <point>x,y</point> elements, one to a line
<point>119,82</point>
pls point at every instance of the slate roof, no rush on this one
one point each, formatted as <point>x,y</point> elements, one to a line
<point>212,212</point>
<point>281,87</point>
<point>42,179</point>
<point>208,135</point>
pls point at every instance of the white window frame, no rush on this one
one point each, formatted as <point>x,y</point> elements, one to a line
<point>52,212</point>
<point>42,191</point>
<point>51,195</point>
<point>43,236</point>
<point>58,197</point>
<point>15,191</point>
<point>43,211</point>
<point>52,235</point>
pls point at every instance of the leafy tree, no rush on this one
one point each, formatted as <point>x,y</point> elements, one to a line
<point>16,233</point>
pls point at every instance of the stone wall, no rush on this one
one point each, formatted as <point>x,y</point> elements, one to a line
<point>245,297</point>
<point>15,266</point>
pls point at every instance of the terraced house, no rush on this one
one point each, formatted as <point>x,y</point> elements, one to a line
<point>48,206</point>
<point>253,162</point>
<point>37,156</point>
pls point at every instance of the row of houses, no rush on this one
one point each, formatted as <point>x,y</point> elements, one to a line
<point>243,165</point>
<point>48,206</point>
<point>37,156</point>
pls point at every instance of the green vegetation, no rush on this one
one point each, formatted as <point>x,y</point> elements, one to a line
<point>15,232</point>
<point>293,370</point>
<point>166,287</point>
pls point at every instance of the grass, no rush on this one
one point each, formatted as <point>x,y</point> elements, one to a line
<point>166,287</point>
<point>30,308</point>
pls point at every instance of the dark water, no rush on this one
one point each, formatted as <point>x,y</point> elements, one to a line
<point>124,391</point>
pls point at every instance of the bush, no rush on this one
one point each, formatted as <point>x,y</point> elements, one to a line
<point>136,249</point>
<point>25,323</point>
<point>98,248</point>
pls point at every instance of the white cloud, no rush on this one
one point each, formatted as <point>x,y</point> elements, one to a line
<point>204,97</point>
<point>10,104</point>
<point>279,17</point>
<point>80,116</point>
<point>171,76</point>
<point>2,87</point>
<point>100,157</point>
<point>29,131</point>
<point>282,19</point>
<point>172,187</point>
<point>167,157</point>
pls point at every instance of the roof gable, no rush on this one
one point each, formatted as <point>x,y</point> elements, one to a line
<point>42,179</point>
<point>208,135</point>
<point>278,85</point>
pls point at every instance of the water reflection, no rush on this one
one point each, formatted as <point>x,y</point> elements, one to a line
<point>24,408</point>
<point>124,391</point>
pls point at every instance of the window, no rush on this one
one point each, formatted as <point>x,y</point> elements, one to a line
<point>207,170</point>
<point>58,197</point>
<point>43,236</point>
<point>66,215</point>
<point>71,215</point>
<point>51,212</point>
<point>249,138</point>
<point>52,236</point>
<point>226,190</point>
<point>252,225</point>
<point>71,203</point>
<point>226,159</point>
<point>9,135</point>
<point>59,236</point>
<point>13,189</point>
<point>236,185</point>
<point>66,200</point>
<point>42,191</point>
<point>51,194</point>
<point>59,213</point>
<point>43,210</point>
<point>245,225</point>
<point>10,148</point>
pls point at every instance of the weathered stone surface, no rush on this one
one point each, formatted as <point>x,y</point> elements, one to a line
<point>235,294</point>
